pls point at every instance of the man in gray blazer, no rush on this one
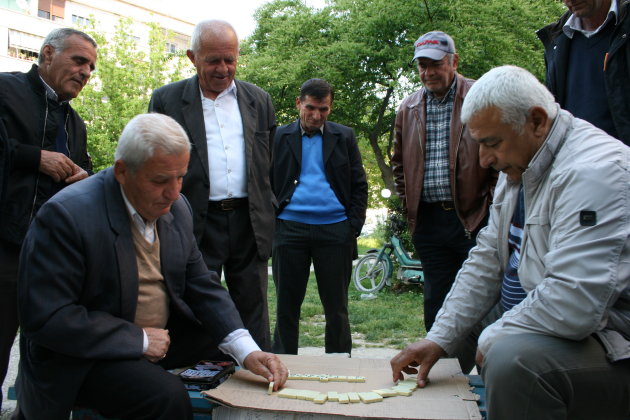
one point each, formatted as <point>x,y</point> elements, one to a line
<point>231,125</point>
<point>113,290</point>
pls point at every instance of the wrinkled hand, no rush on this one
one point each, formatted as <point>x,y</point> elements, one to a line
<point>159,342</point>
<point>78,174</point>
<point>423,353</point>
<point>267,365</point>
<point>58,166</point>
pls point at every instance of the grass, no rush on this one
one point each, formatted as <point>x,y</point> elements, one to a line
<point>393,319</point>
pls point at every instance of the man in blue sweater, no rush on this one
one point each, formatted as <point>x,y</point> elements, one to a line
<point>587,55</point>
<point>319,181</point>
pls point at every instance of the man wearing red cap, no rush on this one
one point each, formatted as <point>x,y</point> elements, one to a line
<point>444,190</point>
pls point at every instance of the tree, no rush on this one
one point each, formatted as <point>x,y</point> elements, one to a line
<point>121,86</point>
<point>363,48</point>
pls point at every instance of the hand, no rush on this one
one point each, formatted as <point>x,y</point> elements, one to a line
<point>56,165</point>
<point>267,365</point>
<point>423,353</point>
<point>479,358</point>
<point>78,174</point>
<point>159,342</point>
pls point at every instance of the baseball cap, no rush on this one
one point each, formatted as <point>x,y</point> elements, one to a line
<point>434,45</point>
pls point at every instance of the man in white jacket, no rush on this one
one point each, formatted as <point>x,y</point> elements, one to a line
<point>546,291</point>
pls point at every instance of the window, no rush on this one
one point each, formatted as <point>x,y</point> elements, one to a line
<point>51,9</point>
<point>80,20</point>
<point>24,45</point>
<point>171,48</point>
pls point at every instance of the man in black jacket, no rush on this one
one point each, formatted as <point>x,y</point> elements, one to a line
<point>319,181</point>
<point>46,143</point>
<point>587,54</point>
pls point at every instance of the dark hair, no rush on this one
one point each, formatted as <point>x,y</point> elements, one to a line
<point>317,88</point>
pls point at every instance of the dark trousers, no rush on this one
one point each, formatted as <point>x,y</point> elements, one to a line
<point>9,256</point>
<point>330,248</point>
<point>442,245</point>
<point>228,245</point>
<point>138,389</point>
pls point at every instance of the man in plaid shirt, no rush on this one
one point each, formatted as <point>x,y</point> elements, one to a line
<point>444,191</point>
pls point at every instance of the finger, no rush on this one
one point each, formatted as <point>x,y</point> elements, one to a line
<point>423,375</point>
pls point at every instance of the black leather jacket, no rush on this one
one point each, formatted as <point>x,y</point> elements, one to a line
<point>29,120</point>
<point>616,74</point>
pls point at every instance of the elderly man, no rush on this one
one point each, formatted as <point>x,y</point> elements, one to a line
<point>558,231</point>
<point>44,149</point>
<point>112,285</point>
<point>231,125</point>
<point>321,187</point>
<point>444,191</point>
<point>588,63</point>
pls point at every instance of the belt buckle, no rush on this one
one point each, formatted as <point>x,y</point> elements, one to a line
<point>227,204</point>
<point>444,207</point>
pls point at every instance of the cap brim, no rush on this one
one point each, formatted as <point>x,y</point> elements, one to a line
<point>429,53</point>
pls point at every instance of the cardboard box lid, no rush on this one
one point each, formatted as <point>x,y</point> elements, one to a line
<point>447,397</point>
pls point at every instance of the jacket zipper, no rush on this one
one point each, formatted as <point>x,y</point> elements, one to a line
<point>30,219</point>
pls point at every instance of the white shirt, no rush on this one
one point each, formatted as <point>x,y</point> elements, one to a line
<point>227,165</point>
<point>239,343</point>
<point>575,24</point>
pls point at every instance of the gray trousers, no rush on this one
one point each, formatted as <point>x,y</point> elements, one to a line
<point>534,376</point>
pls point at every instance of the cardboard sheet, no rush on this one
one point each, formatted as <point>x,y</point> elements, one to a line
<point>448,396</point>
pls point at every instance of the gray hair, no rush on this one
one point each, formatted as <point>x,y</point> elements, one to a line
<point>57,39</point>
<point>147,133</point>
<point>209,27</point>
<point>512,90</point>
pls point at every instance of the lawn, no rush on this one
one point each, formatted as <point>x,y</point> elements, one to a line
<point>393,319</point>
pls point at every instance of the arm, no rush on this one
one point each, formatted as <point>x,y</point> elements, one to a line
<point>584,270</point>
<point>358,185</point>
<point>397,162</point>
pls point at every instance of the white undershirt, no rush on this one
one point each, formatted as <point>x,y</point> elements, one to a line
<point>227,165</point>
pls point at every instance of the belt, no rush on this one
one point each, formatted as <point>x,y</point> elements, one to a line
<point>445,205</point>
<point>228,204</point>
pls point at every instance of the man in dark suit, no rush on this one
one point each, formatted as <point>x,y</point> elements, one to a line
<point>321,187</point>
<point>230,124</point>
<point>113,290</point>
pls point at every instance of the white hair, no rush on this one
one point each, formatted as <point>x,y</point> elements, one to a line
<point>209,28</point>
<point>512,90</point>
<point>145,134</point>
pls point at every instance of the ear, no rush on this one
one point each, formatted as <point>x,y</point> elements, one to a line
<point>49,53</point>
<point>191,56</point>
<point>297,102</point>
<point>538,118</point>
<point>455,61</point>
<point>120,171</point>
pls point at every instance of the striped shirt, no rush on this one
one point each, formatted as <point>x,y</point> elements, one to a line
<point>511,291</point>
<point>437,185</point>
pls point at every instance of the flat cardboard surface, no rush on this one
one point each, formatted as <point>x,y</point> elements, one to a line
<point>448,396</point>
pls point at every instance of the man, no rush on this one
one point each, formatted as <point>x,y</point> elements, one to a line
<point>112,285</point>
<point>321,187</point>
<point>230,124</point>
<point>44,149</point>
<point>588,63</point>
<point>444,190</point>
<point>558,231</point>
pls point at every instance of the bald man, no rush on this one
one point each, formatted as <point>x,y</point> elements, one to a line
<point>231,125</point>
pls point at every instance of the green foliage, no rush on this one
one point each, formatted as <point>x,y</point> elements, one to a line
<point>363,48</point>
<point>121,86</point>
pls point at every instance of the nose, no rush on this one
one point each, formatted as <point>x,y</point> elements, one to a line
<point>486,157</point>
<point>86,71</point>
<point>171,191</point>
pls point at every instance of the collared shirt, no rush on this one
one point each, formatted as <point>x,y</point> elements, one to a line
<point>50,92</point>
<point>227,164</point>
<point>437,186</point>
<point>304,133</point>
<point>239,343</point>
<point>575,24</point>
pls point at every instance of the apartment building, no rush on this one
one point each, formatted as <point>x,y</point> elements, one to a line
<point>25,23</point>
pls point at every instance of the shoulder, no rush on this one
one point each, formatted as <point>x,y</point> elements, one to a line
<point>174,87</point>
<point>251,90</point>
<point>287,128</point>
<point>412,100</point>
<point>463,85</point>
<point>334,127</point>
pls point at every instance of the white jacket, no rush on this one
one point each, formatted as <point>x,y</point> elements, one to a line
<point>577,277</point>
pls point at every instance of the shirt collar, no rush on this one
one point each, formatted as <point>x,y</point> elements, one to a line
<point>575,24</point>
<point>230,90</point>
<point>50,92</point>
<point>321,130</point>
<point>135,216</point>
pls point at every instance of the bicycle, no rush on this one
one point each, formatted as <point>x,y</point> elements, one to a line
<point>374,270</point>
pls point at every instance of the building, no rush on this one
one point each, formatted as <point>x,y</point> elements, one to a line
<point>25,23</point>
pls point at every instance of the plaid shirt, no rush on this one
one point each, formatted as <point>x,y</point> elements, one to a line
<point>438,123</point>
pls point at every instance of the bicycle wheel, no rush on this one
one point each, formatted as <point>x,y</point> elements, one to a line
<point>370,274</point>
